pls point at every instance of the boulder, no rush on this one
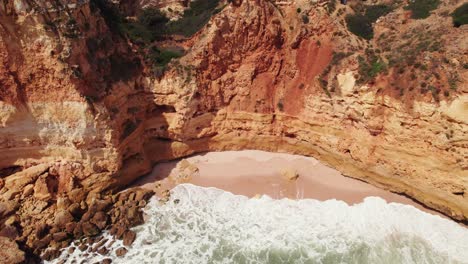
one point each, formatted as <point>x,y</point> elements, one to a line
<point>59,236</point>
<point>50,254</point>
<point>42,243</point>
<point>28,190</point>
<point>63,203</point>
<point>41,190</point>
<point>120,252</point>
<point>100,220</point>
<point>20,179</point>
<point>9,231</point>
<point>76,210</point>
<point>70,227</point>
<point>128,237</point>
<point>10,252</point>
<point>41,230</point>
<point>89,229</point>
<point>78,230</point>
<point>62,218</point>
<point>7,208</point>
<point>77,195</point>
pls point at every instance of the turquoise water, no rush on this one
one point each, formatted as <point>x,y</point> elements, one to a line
<point>208,225</point>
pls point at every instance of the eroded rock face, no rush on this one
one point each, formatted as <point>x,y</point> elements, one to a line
<point>79,116</point>
<point>10,251</point>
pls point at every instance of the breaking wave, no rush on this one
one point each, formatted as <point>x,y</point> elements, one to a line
<point>209,225</point>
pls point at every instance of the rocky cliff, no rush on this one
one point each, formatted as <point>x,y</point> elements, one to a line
<point>80,110</point>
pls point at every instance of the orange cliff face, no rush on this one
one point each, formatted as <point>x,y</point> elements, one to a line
<point>78,109</point>
<point>254,79</point>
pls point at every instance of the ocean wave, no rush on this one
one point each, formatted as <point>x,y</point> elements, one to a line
<point>209,225</point>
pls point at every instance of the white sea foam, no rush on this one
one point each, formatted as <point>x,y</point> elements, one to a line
<point>208,225</point>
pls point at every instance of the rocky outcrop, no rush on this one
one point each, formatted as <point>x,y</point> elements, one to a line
<point>79,116</point>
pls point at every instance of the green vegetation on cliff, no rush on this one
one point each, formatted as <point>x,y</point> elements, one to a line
<point>194,18</point>
<point>360,24</point>
<point>460,15</point>
<point>421,9</point>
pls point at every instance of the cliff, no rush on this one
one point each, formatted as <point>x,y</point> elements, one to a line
<point>81,110</point>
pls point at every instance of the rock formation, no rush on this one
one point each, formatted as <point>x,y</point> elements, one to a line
<point>81,115</point>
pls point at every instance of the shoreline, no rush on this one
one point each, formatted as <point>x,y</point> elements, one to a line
<point>253,173</point>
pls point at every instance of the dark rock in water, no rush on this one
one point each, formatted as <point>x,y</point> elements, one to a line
<point>71,250</point>
<point>129,237</point>
<point>103,251</point>
<point>83,247</point>
<point>135,216</point>
<point>10,253</point>
<point>118,230</point>
<point>50,254</point>
<point>120,252</point>
<point>90,229</point>
<point>106,261</point>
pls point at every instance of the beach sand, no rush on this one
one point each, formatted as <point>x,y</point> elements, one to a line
<point>253,173</point>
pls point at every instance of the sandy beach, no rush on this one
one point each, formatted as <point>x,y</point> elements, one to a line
<point>253,173</point>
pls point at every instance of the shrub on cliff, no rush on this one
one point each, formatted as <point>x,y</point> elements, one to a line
<point>360,24</point>
<point>373,12</point>
<point>460,15</point>
<point>149,26</point>
<point>369,67</point>
<point>194,18</point>
<point>421,9</point>
<point>159,58</point>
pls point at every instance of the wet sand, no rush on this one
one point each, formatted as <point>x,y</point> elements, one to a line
<point>253,173</point>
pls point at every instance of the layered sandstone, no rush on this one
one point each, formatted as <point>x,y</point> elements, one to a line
<point>78,111</point>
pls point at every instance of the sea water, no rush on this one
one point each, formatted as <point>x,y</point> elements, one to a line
<point>209,225</point>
